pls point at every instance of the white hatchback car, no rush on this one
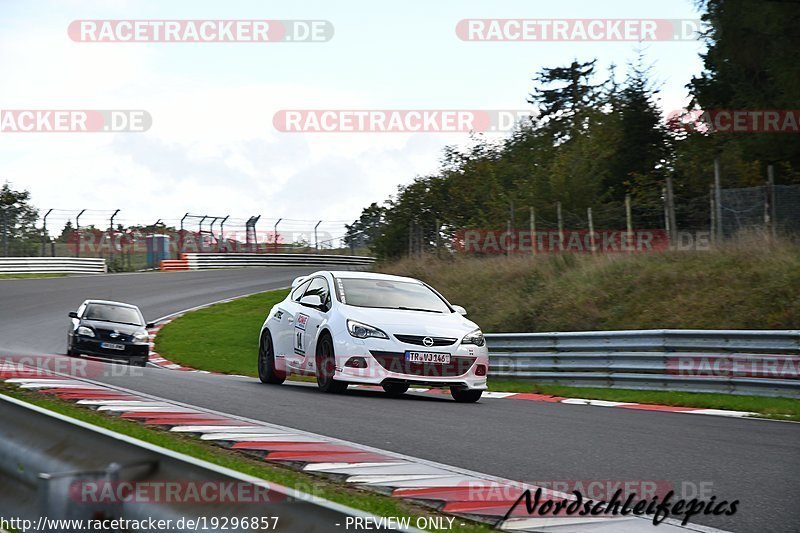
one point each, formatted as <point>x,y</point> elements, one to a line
<point>359,327</point>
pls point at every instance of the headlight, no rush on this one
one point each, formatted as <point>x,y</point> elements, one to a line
<point>475,337</point>
<point>86,332</point>
<point>362,331</point>
<point>142,336</point>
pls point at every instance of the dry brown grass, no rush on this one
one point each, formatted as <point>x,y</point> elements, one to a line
<point>742,285</point>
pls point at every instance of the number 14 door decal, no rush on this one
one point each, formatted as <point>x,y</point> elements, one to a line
<point>300,334</point>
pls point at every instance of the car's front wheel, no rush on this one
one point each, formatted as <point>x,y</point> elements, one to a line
<point>70,351</point>
<point>267,372</point>
<point>462,395</point>
<point>326,367</point>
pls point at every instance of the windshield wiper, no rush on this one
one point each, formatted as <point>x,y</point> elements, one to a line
<point>416,309</point>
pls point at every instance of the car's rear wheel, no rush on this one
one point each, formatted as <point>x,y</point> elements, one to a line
<point>395,389</point>
<point>462,395</point>
<point>326,367</point>
<point>267,372</point>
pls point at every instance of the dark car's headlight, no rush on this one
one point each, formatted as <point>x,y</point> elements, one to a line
<point>360,330</point>
<point>141,337</point>
<point>475,337</point>
<point>85,331</point>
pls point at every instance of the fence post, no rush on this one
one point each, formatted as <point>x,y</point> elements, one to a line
<point>628,222</point>
<point>111,239</point>
<point>712,203</point>
<point>718,199</point>
<point>666,215</point>
<point>316,239</point>
<point>534,242</point>
<point>560,227</point>
<point>769,204</point>
<point>5,231</point>
<point>44,232</point>
<point>275,234</point>
<point>78,229</point>
<point>509,240</point>
<point>438,238</point>
<point>672,231</point>
<point>591,229</point>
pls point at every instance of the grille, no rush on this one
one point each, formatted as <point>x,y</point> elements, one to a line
<point>105,334</point>
<point>417,339</point>
<point>396,362</point>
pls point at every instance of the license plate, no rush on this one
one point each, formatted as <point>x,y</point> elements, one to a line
<point>428,357</point>
<point>112,346</point>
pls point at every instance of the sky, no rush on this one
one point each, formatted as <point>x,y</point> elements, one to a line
<point>212,147</point>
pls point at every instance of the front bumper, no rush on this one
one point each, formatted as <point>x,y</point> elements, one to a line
<point>385,362</point>
<point>92,347</point>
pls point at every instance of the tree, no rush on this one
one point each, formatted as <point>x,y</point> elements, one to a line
<point>19,234</point>
<point>752,62</point>
<point>565,95</point>
<point>644,145</point>
<point>364,231</point>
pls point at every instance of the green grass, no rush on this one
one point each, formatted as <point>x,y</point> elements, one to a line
<point>224,338</point>
<point>778,408</point>
<point>220,338</point>
<point>336,492</point>
<point>31,276</point>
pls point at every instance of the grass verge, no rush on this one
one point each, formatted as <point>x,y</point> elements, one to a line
<point>742,285</point>
<point>31,276</point>
<point>776,408</point>
<point>228,334</point>
<point>336,492</point>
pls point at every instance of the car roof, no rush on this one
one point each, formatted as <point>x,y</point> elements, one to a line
<point>109,302</point>
<point>351,274</point>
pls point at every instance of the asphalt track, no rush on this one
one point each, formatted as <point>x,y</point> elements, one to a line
<point>754,461</point>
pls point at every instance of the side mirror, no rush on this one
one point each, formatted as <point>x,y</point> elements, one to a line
<point>73,314</point>
<point>150,325</point>
<point>460,310</point>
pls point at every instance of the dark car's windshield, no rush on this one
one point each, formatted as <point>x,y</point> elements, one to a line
<point>386,294</point>
<point>112,313</point>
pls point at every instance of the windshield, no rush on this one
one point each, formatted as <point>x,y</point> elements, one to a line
<point>407,295</point>
<point>113,313</point>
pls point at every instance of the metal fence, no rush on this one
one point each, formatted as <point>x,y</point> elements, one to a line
<point>750,362</point>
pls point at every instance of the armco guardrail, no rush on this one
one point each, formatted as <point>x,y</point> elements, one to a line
<point>234,260</point>
<point>52,265</point>
<point>58,468</point>
<point>763,363</point>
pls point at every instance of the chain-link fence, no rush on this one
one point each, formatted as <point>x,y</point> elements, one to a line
<point>761,208</point>
<point>127,244</point>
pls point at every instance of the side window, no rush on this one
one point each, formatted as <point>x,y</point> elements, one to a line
<point>298,292</point>
<point>318,293</point>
